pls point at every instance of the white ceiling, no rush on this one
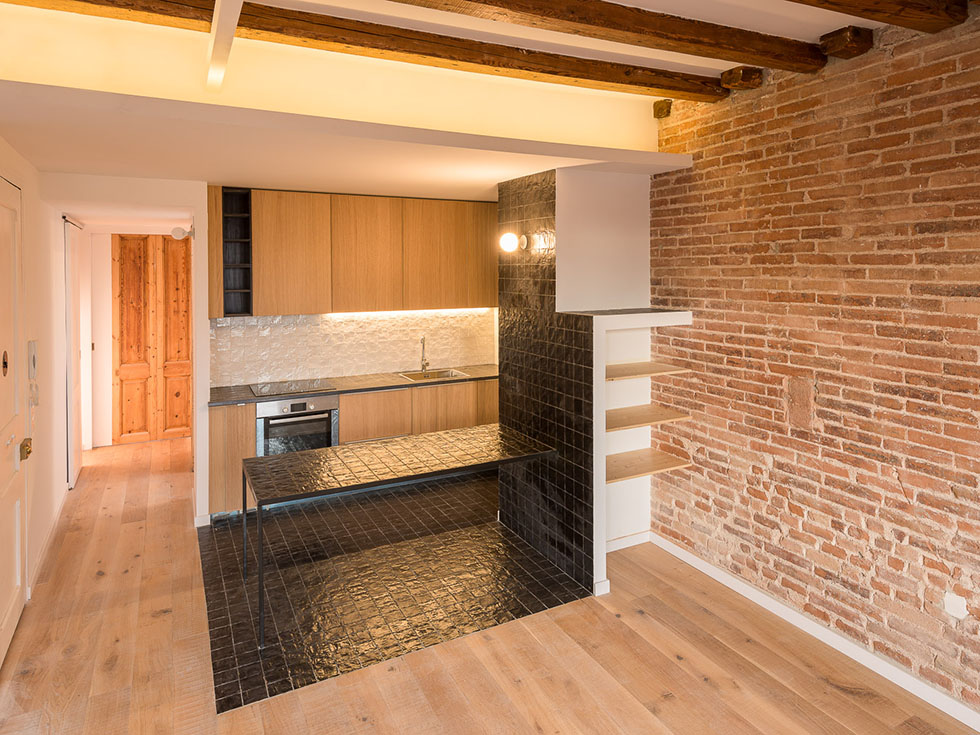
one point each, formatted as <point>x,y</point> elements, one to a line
<point>775,17</point>
<point>99,133</point>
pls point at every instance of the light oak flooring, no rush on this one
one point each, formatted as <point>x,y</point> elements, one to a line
<point>115,641</point>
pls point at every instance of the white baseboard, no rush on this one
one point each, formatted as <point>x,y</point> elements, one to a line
<point>200,521</point>
<point>882,666</point>
<point>624,542</point>
<point>601,588</point>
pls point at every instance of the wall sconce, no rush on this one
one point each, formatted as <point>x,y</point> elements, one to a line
<point>509,242</point>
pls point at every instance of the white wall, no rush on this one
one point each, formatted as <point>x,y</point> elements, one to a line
<point>83,312</point>
<point>44,321</point>
<point>101,310</point>
<point>602,229</point>
<point>79,193</point>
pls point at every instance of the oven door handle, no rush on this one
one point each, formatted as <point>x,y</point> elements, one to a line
<point>325,415</point>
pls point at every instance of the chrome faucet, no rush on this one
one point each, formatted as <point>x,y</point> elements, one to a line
<point>425,363</point>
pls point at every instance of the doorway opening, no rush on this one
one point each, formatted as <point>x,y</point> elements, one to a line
<point>151,338</point>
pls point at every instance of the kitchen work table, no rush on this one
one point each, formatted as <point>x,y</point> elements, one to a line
<point>285,478</point>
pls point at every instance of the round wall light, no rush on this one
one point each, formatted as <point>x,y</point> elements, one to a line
<point>508,242</point>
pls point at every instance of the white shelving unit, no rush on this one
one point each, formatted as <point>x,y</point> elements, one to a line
<point>622,418</point>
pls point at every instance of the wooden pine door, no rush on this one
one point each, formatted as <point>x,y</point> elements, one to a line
<point>13,405</point>
<point>151,338</point>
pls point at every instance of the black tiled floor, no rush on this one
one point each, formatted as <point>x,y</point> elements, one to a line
<point>359,579</point>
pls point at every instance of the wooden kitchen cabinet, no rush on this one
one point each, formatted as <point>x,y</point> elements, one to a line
<point>309,253</point>
<point>487,401</point>
<point>449,258</point>
<point>366,251</point>
<point>291,258</point>
<point>375,415</point>
<point>442,407</point>
<point>232,439</point>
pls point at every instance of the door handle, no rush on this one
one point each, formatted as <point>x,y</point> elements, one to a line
<point>26,448</point>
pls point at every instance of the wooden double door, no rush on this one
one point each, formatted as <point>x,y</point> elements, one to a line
<point>151,338</point>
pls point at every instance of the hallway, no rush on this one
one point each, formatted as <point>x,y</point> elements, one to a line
<point>115,640</point>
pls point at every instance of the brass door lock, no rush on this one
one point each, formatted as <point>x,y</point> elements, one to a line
<point>26,447</point>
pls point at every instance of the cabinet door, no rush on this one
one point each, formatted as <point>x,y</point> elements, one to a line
<point>290,253</point>
<point>487,401</point>
<point>441,407</point>
<point>375,415</point>
<point>448,254</point>
<point>232,439</point>
<point>216,293</point>
<point>366,246</point>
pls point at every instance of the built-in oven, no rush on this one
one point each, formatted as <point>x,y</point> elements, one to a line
<point>295,424</point>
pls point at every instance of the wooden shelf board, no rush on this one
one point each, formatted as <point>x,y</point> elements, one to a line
<point>633,417</point>
<point>627,370</point>
<point>641,463</point>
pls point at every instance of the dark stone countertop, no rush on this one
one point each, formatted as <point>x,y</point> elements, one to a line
<point>234,394</point>
<point>333,470</point>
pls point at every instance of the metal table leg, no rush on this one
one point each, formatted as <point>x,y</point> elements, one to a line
<point>244,527</point>
<point>258,513</point>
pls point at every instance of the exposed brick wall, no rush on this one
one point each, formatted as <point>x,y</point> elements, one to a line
<point>828,242</point>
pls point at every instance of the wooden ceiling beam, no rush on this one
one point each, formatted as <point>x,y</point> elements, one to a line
<point>930,16</point>
<point>193,15</point>
<point>742,77</point>
<point>609,21</point>
<point>847,42</point>
<point>312,30</point>
<point>417,47</point>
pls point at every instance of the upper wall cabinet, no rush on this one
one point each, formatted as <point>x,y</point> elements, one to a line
<point>283,252</point>
<point>290,253</point>
<point>366,240</point>
<point>449,259</point>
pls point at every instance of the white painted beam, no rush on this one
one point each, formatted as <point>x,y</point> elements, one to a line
<point>223,25</point>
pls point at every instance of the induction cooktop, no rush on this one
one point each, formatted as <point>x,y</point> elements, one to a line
<point>287,387</point>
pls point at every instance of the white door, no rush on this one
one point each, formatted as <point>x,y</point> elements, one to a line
<point>73,236</point>
<point>13,542</point>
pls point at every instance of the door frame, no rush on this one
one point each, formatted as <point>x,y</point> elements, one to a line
<point>13,475</point>
<point>73,402</point>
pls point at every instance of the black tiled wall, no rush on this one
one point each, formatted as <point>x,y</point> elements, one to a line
<point>545,387</point>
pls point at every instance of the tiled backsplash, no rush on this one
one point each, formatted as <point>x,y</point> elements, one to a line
<point>259,349</point>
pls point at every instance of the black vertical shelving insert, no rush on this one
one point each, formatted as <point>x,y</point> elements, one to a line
<point>236,236</point>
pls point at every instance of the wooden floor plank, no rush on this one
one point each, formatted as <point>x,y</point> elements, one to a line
<point>487,700</point>
<point>888,702</point>
<point>444,696</point>
<point>685,704</point>
<point>629,713</point>
<point>674,608</point>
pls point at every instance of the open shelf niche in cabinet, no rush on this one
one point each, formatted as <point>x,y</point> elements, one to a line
<point>236,237</point>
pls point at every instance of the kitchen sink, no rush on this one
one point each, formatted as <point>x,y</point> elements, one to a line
<point>433,375</point>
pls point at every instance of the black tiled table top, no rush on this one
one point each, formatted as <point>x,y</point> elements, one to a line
<point>294,475</point>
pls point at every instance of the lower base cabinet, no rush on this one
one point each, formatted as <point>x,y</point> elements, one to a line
<point>417,410</point>
<point>232,439</point>
<point>375,415</point>
<point>442,407</point>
